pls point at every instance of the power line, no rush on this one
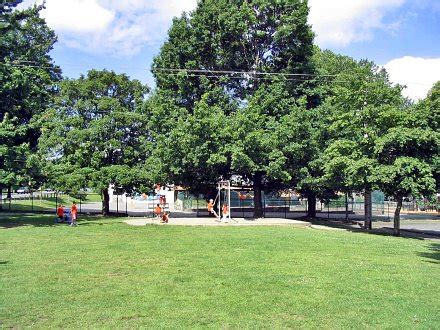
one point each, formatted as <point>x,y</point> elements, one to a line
<point>257,78</point>
<point>248,75</point>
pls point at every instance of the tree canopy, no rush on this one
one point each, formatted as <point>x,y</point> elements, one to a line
<point>218,65</point>
<point>28,79</point>
<point>96,134</point>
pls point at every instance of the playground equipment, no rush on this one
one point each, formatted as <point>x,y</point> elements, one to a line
<point>224,199</point>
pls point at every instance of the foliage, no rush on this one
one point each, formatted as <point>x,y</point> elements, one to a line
<point>229,120</point>
<point>376,139</point>
<point>97,134</point>
<point>27,83</point>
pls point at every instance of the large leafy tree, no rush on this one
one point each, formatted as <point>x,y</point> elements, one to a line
<point>405,156</point>
<point>27,83</point>
<point>362,107</point>
<point>226,53</point>
<point>376,139</point>
<point>96,134</point>
<point>408,152</point>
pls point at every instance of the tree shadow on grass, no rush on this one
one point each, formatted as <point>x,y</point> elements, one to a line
<point>8,221</point>
<point>357,227</point>
<point>434,253</point>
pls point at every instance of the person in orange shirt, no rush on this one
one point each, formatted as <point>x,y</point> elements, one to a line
<point>60,213</point>
<point>158,211</point>
<point>225,213</point>
<point>210,208</point>
<point>74,214</point>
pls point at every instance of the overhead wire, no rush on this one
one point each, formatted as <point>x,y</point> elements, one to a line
<point>207,73</point>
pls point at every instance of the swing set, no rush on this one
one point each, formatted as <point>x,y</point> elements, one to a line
<point>223,200</point>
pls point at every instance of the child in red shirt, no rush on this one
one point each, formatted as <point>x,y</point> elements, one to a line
<point>165,217</point>
<point>60,213</point>
<point>74,214</point>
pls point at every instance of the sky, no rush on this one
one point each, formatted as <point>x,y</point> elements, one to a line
<point>124,36</point>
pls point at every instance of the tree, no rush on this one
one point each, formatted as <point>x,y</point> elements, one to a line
<point>427,115</point>
<point>97,135</point>
<point>28,79</point>
<point>226,52</point>
<point>191,146</point>
<point>403,155</point>
<point>362,107</point>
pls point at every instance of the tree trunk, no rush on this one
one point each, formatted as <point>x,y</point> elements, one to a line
<point>258,205</point>
<point>1,198</point>
<point>9,194</point>
<point>397,216</point>
<point>368,209</point>
<point>311,205</point>
<point>105,202</point>
<point>346,207</point>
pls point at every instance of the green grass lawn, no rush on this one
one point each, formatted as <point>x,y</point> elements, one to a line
<point>106,273</point>
<point>47,203</point>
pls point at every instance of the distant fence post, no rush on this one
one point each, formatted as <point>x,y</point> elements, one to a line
<point>388,203</point>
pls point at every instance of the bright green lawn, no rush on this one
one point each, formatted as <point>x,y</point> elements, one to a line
<point>47,203</point>
<point>106,273</point>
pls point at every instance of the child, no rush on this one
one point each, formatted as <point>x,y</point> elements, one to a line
<point>74,214</point>
<point>165,217</point>
<point>60,213</point>
<point>225,212</point>
<point>210,208</point>
<point>158,211</point>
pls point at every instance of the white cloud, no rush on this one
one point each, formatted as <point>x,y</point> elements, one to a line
<point>77,16</point>
<point>339,23</point>
<point>113,27</point>
<point>418,74</point>
<point>123,27</point>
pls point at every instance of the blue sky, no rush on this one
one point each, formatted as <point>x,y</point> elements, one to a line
<point>124,36</point>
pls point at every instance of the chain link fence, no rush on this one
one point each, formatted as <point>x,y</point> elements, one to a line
<point>89,202</point>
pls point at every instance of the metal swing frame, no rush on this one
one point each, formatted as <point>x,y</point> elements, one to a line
<point>226,186</point>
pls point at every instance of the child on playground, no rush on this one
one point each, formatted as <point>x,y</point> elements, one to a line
<point>210,208</point>
<point>165,217</point>
<point>225,212</point>
<point>158,211</point>
<point>74,214</point>
<point>60,213</point>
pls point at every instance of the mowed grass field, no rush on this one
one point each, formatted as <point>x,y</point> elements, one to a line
<point>105,273</point>
<point>45,203</point>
